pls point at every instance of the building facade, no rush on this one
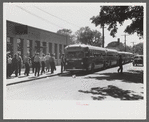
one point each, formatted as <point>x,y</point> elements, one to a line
<point>25,40</point>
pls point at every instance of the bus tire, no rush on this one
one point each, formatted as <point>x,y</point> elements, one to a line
<point>71,72</point>
<point>92,68</point>
<point>104,65</point>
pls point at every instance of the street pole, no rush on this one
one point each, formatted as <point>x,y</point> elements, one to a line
<point>133,46</point>
<point>125,41</point>
<point>103,35</point>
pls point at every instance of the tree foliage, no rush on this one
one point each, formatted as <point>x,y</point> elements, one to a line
<point>64,32</point>
<point>112,15</point>
<point>119,46</point>
<point>87,36</point>
<point>138,48</point>
<point>68,33</point>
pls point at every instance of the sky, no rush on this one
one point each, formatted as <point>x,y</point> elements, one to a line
<point>55,16</point>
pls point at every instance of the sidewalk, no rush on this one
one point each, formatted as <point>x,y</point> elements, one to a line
<point>23,78</point>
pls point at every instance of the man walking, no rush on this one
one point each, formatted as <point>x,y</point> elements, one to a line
<point>15,65</point>
<point>9,66</point>
<point>33,63</point>
<point>120,64</point>
<point>47,58</point>
<point>37,64</point>
<point>42,59</point>
<point>19,63</point>
<point>52,63</point>
<point>27,61</point>
<point>62,63</point>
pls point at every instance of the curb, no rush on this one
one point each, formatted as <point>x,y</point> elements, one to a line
<point>31,79</point>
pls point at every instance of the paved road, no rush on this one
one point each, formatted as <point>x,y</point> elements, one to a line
<point>101,85</point>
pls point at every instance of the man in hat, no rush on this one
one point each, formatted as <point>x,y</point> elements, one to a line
<point>19,63</point>
<point>26,62</point>
<point>62,63</point>
<point>52,63</point>
<point>37,63</point>
<point>15,65</point>
<point>120,64</point>
<point>9,66</point>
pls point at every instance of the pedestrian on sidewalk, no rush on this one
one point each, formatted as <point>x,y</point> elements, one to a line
<point>19,63</point>
<point>120,64</point>
<point>37,64</point>
<point>9,66</point>
<point>42,59</point>
<point>15,65</point>
<point>62,63</point>
<point>52,63</point>
<point>26,62</point>
<point>33,63</point>
<point>47,58</point>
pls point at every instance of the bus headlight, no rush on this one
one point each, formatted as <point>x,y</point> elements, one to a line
<point>82,63</point>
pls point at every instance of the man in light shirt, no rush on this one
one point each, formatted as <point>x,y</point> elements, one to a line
<point>9,66</point>
<point>47,58</point>
<point>42,60</point>
<point>37,63</point>
<point>26,62</point>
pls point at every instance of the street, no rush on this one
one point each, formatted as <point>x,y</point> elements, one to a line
<point>106,84</point>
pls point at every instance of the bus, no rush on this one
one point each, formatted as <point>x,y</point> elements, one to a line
<point>84,57</point>
<point>80,57</point>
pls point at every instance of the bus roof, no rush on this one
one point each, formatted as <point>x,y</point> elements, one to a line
<point>111,50</point>
<point>122,52</point>
<point>85,46</point>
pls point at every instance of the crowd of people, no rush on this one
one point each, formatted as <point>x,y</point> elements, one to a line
<point>39,64</point>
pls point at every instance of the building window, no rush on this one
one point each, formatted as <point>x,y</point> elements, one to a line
<point>37,46</point>
<point>50,48</point>
<point>65,46</point>
<point>55,47</point>
<point>10,46</point>
<point>29,47</point>
<point>44,44</point>
<point>60,50</point>
<point>20,46</point>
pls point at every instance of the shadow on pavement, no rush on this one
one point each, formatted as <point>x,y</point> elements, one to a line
<point>132,76</point>
<point>78,73</point>
<point>113,92</point>
<point>33,77</point>
<point>22,76</point>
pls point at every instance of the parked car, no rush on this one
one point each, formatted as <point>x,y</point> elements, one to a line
<point>138,59</point>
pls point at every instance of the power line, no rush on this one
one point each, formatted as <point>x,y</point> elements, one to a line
<point>38,16</point>
<point>55,16</point>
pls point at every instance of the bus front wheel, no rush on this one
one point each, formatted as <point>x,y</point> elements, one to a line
<point>92,68</point>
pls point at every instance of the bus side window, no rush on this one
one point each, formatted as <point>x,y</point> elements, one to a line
<point>87,54</point>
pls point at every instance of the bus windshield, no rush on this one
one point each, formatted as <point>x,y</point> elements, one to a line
<point>76,54</point>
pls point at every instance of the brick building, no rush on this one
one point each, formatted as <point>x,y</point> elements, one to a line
<point>26,39</point>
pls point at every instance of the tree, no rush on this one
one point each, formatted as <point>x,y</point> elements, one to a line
<point>138,49</point>
<point>119,46</point>
<point>67,32</point>
<point>87,36</point>
<point>112,15</point>
<point>97,40</point>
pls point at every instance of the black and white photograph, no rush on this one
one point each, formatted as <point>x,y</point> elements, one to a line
<point>77,60</point>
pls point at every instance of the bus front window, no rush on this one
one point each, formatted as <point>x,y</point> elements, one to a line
<point>77,54</point>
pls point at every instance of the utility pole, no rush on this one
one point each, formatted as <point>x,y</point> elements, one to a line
<point>103,35</point>
<point>125,41</point>
<point>103,38</point>
<point>133,46</point>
